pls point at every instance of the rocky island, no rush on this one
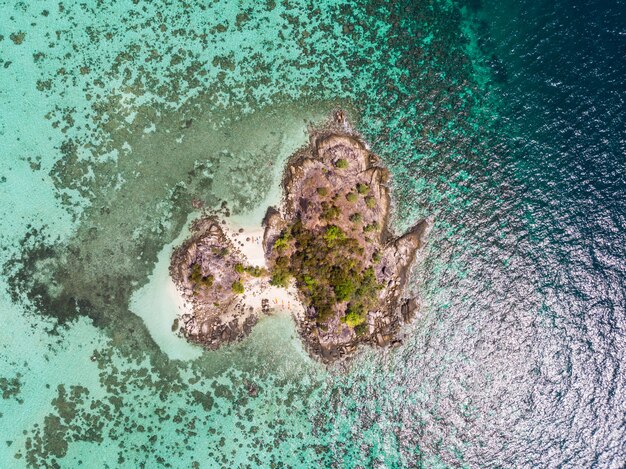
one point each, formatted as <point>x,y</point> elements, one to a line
<point>209,271</point>
<point>328,247</point>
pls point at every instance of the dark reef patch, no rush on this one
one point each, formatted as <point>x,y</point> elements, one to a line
<point>10,387</point>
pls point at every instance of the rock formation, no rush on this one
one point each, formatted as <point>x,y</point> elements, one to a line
<point>210,273</point>
<point>329,238</point>
<point>336,191</point>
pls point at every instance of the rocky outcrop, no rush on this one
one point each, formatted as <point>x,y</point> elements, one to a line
<point>330,237</point>
<point>337,173</point>
<point>207,270</point>
<point>274,224</point>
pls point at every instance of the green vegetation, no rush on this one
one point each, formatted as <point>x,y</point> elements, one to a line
<point>330,212</point>
<point>376,257</point>
<point>362,189</point>
<point>327,267</point>
<point>283,241</point>
<point>256,271</point>
<point>280,272</point>
<point>352,197</point>
<point>237,287</point>
<point>374,226</point>
<point>323,191</point>
<point>362,301</point>
<point>356,218</point>
<point>333,233</point>
<point>280,279</point>
<point>196,272</point>
<point>370,201</point>
<point>220,252</point>
<point>281,244</point>
<point>341,164</point>
<point>310,282</point>
<point>198,279</point>
<point>353,319</point>
<point>343,286</point>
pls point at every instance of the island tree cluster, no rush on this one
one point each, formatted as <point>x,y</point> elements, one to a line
<point>329,270</point>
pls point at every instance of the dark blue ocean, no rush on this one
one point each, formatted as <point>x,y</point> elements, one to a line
<point>504,121</point>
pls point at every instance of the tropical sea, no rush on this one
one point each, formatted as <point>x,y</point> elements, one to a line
<point>505,121</point>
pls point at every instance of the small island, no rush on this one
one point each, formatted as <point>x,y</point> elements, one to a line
<point>327,250</point>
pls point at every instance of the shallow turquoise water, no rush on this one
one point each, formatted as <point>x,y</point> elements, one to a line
<point>115,116</point>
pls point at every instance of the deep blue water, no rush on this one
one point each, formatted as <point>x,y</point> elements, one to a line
<point>560,68</point>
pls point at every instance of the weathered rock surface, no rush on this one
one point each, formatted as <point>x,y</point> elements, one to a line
<point>325,174</point>
<point>204,269</point>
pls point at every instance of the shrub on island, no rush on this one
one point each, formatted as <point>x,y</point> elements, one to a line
<point>362,189</point>
<point>199,280</point>
<point>356,218</point>
<point>352,197</point>
<point>341,164</point>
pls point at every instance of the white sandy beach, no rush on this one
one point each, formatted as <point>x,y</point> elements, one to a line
<point>250,244</point>
<point>159,302</point>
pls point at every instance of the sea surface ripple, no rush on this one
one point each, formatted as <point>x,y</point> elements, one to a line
<point>504,120</point>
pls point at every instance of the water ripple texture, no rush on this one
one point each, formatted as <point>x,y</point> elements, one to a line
<point>505,121</point>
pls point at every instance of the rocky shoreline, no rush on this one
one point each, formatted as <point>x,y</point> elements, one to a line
<point>203,269</point>
<point>328,242</point>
